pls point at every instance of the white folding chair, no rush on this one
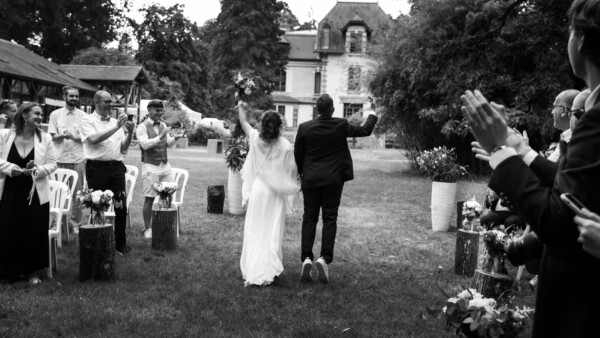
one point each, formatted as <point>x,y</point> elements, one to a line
<point>180,176</point>
<point>129,185</point>
<point>68,177</point>
<point>133,171</point>
<point>59,193</point>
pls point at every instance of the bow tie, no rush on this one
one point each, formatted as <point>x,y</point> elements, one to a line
<point>157,123</point>
<point>105,119</point>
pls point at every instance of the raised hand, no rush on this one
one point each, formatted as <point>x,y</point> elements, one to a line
<point>122,119</point>
<point>486,120</point>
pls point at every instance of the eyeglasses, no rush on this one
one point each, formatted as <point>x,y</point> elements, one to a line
<point>563,109</point>
<point>578,113</point>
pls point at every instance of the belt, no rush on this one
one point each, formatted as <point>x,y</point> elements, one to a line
<point>98,162</point>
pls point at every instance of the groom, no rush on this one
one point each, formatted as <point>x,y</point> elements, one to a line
<point>324,164</point>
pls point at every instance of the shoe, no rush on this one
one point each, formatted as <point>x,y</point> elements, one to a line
<point>123,251</point>
<point>306,267</point>
<point>323,270</point>
<point>35,280</point>
<point>148,233</point>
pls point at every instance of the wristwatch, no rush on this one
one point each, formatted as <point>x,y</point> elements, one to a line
<point>496,148</point>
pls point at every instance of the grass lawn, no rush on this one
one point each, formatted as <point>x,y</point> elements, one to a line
<point>387,267</point>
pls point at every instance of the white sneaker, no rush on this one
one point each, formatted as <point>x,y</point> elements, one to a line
<point>323,270</point>
<point>306,267</point>
<point>148,233</point>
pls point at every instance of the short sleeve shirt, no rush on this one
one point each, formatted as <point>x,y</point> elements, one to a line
<point>107,150</point>
<point>62,120</point>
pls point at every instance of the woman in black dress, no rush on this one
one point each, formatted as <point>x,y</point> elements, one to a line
<point>27,157</point>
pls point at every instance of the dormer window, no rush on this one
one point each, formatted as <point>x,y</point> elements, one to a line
<point>356,42</point>
<point>356,39</point>
<point>326,30</point>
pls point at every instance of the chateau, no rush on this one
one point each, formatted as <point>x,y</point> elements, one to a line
<point>336,59</point>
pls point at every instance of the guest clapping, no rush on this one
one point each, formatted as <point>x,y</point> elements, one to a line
<point>27,157</point>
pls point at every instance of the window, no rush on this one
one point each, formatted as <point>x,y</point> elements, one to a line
<point>326,37</point>
<point>354,78</point>
<point>351,108</point>
<point>295,116</point>
<point>317,82</point>
<point>356,42</point>
<point>280,81</point>
<point>281,110</point>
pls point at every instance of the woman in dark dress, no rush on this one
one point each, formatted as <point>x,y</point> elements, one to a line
<point>27,157</point>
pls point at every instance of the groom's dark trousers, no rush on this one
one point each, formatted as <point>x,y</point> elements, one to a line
<point>324,163</point>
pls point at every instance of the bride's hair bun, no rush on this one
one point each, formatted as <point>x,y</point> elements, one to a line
<point>270,125</point>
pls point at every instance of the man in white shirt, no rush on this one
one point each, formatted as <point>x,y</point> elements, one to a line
<point>560,114</point>
<point>104,143</point>
<point>64,127</point>
<point>154,139</point>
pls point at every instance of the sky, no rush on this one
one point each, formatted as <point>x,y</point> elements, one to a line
<point>202,10</point>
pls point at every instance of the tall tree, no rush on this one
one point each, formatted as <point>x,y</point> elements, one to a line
<point>103,56</point>
<point>57,29</point>
<point>513,51</point>
<point>247,38</point>
<point>171,49</point>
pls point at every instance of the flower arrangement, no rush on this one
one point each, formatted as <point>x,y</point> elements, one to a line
<point>98,201</point>
<point>165,190</point>
<point>471,211</point>
<point>236,153</point>
<point>439,164</point>
<point>493,257</point>
<point>246,83</point>
<point>472,315</point>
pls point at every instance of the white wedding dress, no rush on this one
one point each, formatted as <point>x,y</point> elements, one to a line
<point>269,186</point>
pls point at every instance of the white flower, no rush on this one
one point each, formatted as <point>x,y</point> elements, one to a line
<point>108,193</point>
<point>247,91</point>
<point>96,199</point>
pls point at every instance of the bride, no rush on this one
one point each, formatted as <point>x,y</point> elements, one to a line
<point>270,182</point>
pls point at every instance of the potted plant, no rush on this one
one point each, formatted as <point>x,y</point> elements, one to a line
<point>491,276</point>
<point>165,191</point>
<point>98,201</point>
<point>235,156</point>
<point>439,165</point>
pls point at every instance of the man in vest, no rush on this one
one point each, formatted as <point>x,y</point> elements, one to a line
<point>153,137</point>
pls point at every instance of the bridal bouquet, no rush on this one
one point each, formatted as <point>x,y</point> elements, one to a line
<point>439,164</point>
<point>165,191</point>
<point>471,212</point>
<point>236,153</point>
<point>245,83</point>
<point>472,315</point>
<point>98,201</point>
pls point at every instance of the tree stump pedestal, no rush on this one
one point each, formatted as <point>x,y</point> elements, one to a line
<point>164,229</point>
<point>96,253</point>
<point>466,253</point>
<point>216,198</point>
<point>492,285</point>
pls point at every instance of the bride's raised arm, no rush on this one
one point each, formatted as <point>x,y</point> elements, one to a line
<point>242,109</point>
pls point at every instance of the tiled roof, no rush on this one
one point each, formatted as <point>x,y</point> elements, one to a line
<point>302,45</point>
<point>107,73</point>
<point>281,97</point>
<point>344,13</point>
<point>20,62</point>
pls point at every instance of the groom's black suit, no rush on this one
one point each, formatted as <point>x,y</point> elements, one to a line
<point>324,163</point>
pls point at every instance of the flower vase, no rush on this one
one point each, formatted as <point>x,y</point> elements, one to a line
<point>97,218</point>
<point>164,202</point>
<point>443,197</point>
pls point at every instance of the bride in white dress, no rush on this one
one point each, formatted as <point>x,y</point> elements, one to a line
<point>270,181</point>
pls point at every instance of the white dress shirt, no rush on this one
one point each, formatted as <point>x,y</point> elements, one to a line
<point>141,134</point>
<point>107,150</point>
<point>62,120</point>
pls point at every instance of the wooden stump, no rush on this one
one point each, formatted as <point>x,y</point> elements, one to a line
<point>459,217</point>
<point>466,253</point>
<point>216,199</point>
<point>492,285</point>
<point>96,253</point>
<point>164,229</point>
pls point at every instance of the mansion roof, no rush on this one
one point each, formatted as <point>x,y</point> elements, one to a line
<point>342,15</point>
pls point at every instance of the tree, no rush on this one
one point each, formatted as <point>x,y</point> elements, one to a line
<point>103,56</point>
<point>171,49</point>
<point>246,38</point>
<point>57,29</point>
<point>513,51</point>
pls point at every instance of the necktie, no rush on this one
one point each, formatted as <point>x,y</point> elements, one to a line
<point>105,119</point>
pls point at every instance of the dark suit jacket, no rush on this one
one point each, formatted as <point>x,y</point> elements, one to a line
<point>565,266</point>
<point>321,150</point>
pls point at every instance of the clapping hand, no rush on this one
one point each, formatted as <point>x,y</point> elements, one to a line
<point>486,120</point>
<point>122,119</point>
<point>589,230</point>
<point>16,171</point>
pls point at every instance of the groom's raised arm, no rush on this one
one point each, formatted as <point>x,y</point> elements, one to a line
<point>364,130</point>
<point>299,151</point>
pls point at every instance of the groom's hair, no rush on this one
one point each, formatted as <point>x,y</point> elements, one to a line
<point>325,105</point>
